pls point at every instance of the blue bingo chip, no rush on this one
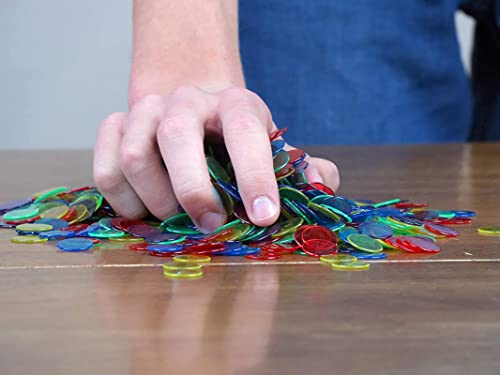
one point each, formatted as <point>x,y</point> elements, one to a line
<point>277,146</point>
<point>75,244</point>
<point>464,214</point>
<point>376,230</point>
<point>233,245</point>
<point>165,248</point>
<point>368,256</point>
<point>56,223</point>
<point>57,234</point>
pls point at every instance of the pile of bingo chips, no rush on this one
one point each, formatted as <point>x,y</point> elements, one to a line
<point>313,222</point>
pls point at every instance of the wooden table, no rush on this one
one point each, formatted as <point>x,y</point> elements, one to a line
<point>111,311</point>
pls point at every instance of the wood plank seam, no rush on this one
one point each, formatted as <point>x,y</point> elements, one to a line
<point>229,264</point>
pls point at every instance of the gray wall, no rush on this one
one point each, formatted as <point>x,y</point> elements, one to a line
<point>64,67</point>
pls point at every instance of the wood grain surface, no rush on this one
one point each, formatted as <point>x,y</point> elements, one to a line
<point>110,311</point>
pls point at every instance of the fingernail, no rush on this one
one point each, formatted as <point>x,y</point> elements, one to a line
<point>263,208</point>
<point>210,221</point>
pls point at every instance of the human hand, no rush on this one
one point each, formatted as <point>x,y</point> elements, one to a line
<point>152,158</point>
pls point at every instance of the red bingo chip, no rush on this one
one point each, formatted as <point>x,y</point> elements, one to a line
<point>70,215</point>
<point>124,224</point>
<point>318,247</point>
<point>296,155</point>
<point>263,256</point>
<point>205,248</point>
<point>322,187</point>
<point>454,221</point>
<point>277,133</point>
<point>279,249</point>
<point>400,245</point>
<point>75,228</point>
<point>164,254</point>
<point>285,172</point>
<point>79,190</point>
<point>26,221</point>
<point>221,236</point>
<point>297,236</point>
<point>260,243</point>
<point>404,245</point>
<point>421,244</point>
<point>142,246</point>
<point>317,232</point>
<point>409,205</point>
<point>440,230</point>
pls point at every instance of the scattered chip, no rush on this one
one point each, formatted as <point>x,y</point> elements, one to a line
<point>28,239</point>
<point>187,258</point>
<point>174,266</point>
<point>34,228</point>
<point>364,243</point>
<point>183,273</point>
<point>75,244</point>
<point>491,230</point>
<point>351,266</point>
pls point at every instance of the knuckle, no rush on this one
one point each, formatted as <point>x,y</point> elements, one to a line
<point>243,98</point>
<point>107,181</point>
<point>184,92</point>
<point>113,120</point>
<point>237,94</point>
<point>132,158</point>
<point>173,128</point>
<point>147,103</point>
<point>244,123</point>
<point>235,100</point>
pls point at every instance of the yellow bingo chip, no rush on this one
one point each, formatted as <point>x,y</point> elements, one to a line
<point>35,228</point>
<point>28,239</point>
<point>126,238</point>
<point>55,212</point>
<point>352,266</point>
<point>175,266</point>
<point>338,258</point>
<point>188,258</point>
<point>489,230</point>
<point>183,274</point>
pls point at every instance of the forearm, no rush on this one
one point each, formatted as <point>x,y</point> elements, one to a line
<point>188,42</point>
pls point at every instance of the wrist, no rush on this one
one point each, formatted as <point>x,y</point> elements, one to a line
<point>139,89</point>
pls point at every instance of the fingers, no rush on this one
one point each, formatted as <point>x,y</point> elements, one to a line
<point>180,138</point>
<point>321,170</point>
<point>246,123</point>
<point>140,159</point>
<point>108,175</point>
<point>129,150</point>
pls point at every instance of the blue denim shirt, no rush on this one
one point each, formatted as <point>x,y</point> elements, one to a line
<point>364,71</point>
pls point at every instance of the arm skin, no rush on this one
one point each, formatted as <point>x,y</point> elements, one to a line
<point>186,84</point>
<point>188,42</point>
